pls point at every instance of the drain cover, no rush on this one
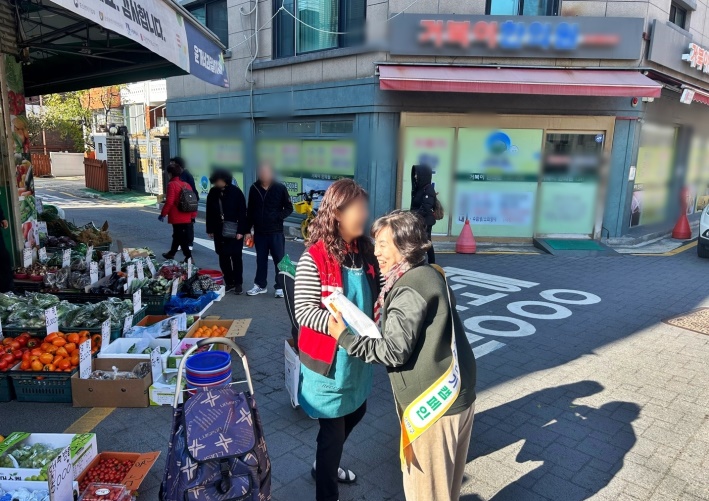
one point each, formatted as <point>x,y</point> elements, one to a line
<point>696,321</point>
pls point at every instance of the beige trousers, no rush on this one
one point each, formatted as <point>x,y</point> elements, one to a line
<point>439,457</point>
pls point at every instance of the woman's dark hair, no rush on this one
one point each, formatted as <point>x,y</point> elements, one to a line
<point>408,231</point>
<point>174,170</point>
<point>324,227</point>
<point>179,161</point>
<point>222,174</point>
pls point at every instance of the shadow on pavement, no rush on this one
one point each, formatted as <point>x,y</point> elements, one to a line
<point>571,439</point>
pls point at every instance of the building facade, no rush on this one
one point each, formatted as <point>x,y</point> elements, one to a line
<point>563,118</point>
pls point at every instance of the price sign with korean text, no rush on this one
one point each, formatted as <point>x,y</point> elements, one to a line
<point>26,258</point>
<point>137,301</point>
<point>42,254</point>
<point>93,272</point>
<point>105,334</point>
<point>190,268</point>
<point>41,232</point>
<point>60,476</point>
<point>119,263</point>
<point>107,265</point>
<point>155,363</point>
<point>174,334</point>
<point>89,254</point>
<point>140,272</point>
<point>66,258</point>
<point>39,205</point>
<point>130,272</point>
<point>128,323</point>
<point>85,359</point>
<point>175,286</point>
<point>51,320</point>
<point>126,257</point>
<point>1,334</point>
<point>151,267</point>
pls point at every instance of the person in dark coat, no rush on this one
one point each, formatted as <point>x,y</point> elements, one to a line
<point>233,209</point>
<point>269,206</point>
<point>423,200</point>
<point>185,175</point>
<point>6,274</point>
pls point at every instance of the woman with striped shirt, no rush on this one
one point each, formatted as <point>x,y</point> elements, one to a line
<point>334,386</point>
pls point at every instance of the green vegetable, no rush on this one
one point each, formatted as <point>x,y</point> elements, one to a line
<point>132,349</point>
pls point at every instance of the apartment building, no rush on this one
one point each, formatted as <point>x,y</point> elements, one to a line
<point>540,118</point>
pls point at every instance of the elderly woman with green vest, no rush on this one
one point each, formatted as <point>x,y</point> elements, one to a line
<point>334,386</point>
<point>429,360</point>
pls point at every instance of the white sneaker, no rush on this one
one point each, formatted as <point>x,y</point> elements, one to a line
<point>278,294</point>
<point>256,291</point>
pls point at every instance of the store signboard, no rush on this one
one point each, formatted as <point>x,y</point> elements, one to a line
<point>497,180</point>
<point>677,50</point>
<point>516,36</point>
<point>432,146</point>
<point>205,154</point>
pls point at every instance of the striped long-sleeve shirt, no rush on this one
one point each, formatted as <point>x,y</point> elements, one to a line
<point>307,296</point>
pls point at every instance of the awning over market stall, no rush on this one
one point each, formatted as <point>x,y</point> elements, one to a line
<point>78,44</point>
<point>493,80</point>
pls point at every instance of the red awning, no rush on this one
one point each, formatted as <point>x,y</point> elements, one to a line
<point>490,80</point>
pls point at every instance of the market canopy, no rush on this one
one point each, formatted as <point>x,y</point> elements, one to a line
<point>494,80</point>
<point>78,44</point>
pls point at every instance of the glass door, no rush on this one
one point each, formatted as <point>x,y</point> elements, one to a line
<point>570,181</point>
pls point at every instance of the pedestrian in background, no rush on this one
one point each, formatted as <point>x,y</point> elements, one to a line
<point>6,274</point>
<point>334,386</point>
<point>227,224</point>
<point>269,205</point>
<point>423,201</point>
<point>430,363</point>
<point>187,177</point>
<point>182,222</point>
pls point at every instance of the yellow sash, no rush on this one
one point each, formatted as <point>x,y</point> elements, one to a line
<point>435,401</point>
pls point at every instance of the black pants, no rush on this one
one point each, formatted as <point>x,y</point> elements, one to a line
<point>275,245</point>
<point>182,237</point>
<point>6,273</point>
<point>431,253</point>
<point>331,440</point>
<point>232,266</point>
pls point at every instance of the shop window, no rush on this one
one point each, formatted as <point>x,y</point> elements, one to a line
<point>269,128</point>
<point>187,129</point>
<point>213,15</point>
<point>301,127</point>
<point>522,7</point>
<point>315,25</point>
<point>339,127</point>
<point>678,16</point>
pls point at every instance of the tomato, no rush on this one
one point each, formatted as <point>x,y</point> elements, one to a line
<point>36,352</point>
<point>46,358</point>
<point>70,347</point>
<point>73,338</point>
<point>49,368</point>
<point>26,355</point>
<point>74,360</point>
<point>6,341</point>
<point>15,345</point>
<point>45,346</point>
<point>51,337</point>
<point>8,358</point>
<point>33,342</point>
<point>3,365</point>
<point>36,365</point>
<point>58,342</point>
<point>17,354</point>
<point>26,365</point>
<point>61,352</point>
<point>22,340</point>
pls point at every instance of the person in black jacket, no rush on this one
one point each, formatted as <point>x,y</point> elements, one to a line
<point>423,199</point>
<point>6,274</point>
<point>232,208</point>
<point>269,205</point>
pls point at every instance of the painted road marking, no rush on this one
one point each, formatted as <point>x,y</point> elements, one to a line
<point>674,252</point>
<point>90,420</point>
<point>209,244</point>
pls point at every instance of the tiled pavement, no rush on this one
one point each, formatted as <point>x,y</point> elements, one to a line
<point>606,403</point>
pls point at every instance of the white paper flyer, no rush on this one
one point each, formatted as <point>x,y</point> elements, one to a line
<point>355,319</point>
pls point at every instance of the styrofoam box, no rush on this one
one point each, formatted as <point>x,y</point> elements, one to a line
<point>11,485</point>
<point>221,292</point>
<point>162,393</point>
<point>83,451</point>
<point>119,349</point>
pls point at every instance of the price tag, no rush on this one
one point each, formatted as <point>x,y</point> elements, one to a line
<point>42,255</point>
<point>174,334</point>
<point>107,265</point>
<point>26,258</point>
<point>1,334</point>
<point>51,320</point>
<point>119,263</point>
<point>137,304</point>
<point>93,272</point>
<point>126,257</point>
<point>175,286</point>
<point>105,334</point>
<point>155,363</point>
<point>85,359</point>
<point>89,254</point>
<point>151,267</point>
<point>60,476</point>
<point>41,232</point>
<point>140,272</point>
<point>128,323</point>
<point>189,268</point>
<point>130,271</point>
<point>39,205</point>
<point>66,258</point>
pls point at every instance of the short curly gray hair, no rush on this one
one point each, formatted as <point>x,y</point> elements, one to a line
<point>409,233</point>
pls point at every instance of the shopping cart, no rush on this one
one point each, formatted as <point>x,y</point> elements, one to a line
<point>217,448</point>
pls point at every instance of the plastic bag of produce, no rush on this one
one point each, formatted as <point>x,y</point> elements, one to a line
<point>287,266</point>
<point>160,329</point>
<point>184,304</point>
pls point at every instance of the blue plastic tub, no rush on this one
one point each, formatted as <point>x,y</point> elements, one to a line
<point>208,361</point>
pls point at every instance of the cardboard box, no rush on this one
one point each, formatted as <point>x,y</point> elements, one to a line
<point>235,328</point>
<point>173,361</point>
<point>119,349</point>
<point>119,393</point>
<point>136,475</point>
<point>83,450</point>
<point>163,393</point>
<point>11,485</point>
<point>292,372</point>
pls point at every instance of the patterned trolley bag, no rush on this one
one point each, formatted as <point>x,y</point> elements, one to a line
<point>217,448</point>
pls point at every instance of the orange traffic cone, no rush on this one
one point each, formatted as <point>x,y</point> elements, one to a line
<point>466,241</point>
<point>682,230</point>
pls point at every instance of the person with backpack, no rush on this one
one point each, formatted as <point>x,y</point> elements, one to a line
<point>423,201</point>
<point>181,209</point>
